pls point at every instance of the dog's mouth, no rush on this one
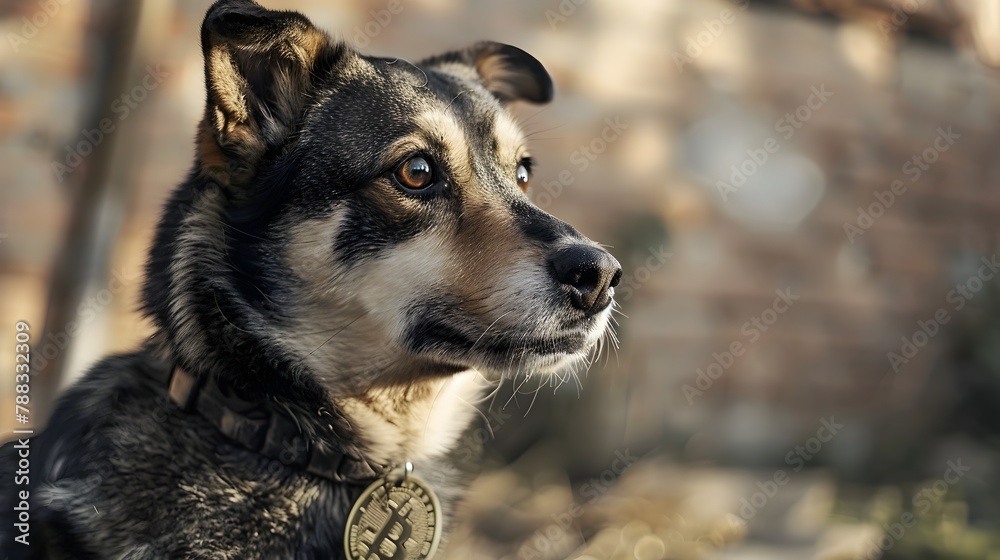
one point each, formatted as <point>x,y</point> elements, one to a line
<point>506,350</point>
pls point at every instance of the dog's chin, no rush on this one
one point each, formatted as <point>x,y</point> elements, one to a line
<point>497,366</point>
<point>563,351</point>
<point>497,355</point>
<point>535,363</point>
<point>550,364</point>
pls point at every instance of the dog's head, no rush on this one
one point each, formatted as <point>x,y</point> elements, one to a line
<point>367,216</point>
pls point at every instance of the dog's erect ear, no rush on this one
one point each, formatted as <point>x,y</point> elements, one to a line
<point>508,72</point>
<point>260,68</point>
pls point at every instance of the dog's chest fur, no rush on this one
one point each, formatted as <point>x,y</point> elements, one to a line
<point>417,422</point>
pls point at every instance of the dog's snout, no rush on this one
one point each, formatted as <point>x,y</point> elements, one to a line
<point>590,273</point>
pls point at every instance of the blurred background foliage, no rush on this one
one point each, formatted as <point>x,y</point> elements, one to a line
<point>842,152</point>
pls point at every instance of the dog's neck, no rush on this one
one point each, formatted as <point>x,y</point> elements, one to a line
<point>414,423</point>
<point>389,425</point>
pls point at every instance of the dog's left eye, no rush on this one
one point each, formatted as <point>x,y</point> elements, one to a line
<point>523,175</point>
<point>415,173</point>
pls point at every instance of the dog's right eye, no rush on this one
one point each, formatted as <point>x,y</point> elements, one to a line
<point>415,173</point>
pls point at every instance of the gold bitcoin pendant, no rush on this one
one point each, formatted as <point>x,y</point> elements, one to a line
<point>394,521</point>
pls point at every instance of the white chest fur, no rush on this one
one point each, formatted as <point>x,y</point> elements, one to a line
<point>418,422</point>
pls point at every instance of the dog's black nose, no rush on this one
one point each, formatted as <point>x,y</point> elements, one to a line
<point>590,273</point>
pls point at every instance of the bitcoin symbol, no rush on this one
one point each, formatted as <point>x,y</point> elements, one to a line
<point>386,539</point>
<point>397,521</point>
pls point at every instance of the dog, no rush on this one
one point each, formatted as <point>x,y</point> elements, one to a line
<point>352,252</point>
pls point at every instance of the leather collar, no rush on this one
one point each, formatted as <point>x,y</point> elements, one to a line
<point>264,430</point>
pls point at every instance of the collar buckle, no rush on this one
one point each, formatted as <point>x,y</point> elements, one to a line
<point>183,389</point>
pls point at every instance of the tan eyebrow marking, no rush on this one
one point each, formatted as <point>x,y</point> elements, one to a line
<point>441,126</point>
<point>510,138</point>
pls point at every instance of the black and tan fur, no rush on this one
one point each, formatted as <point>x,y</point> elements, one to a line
<point>293,268</point>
